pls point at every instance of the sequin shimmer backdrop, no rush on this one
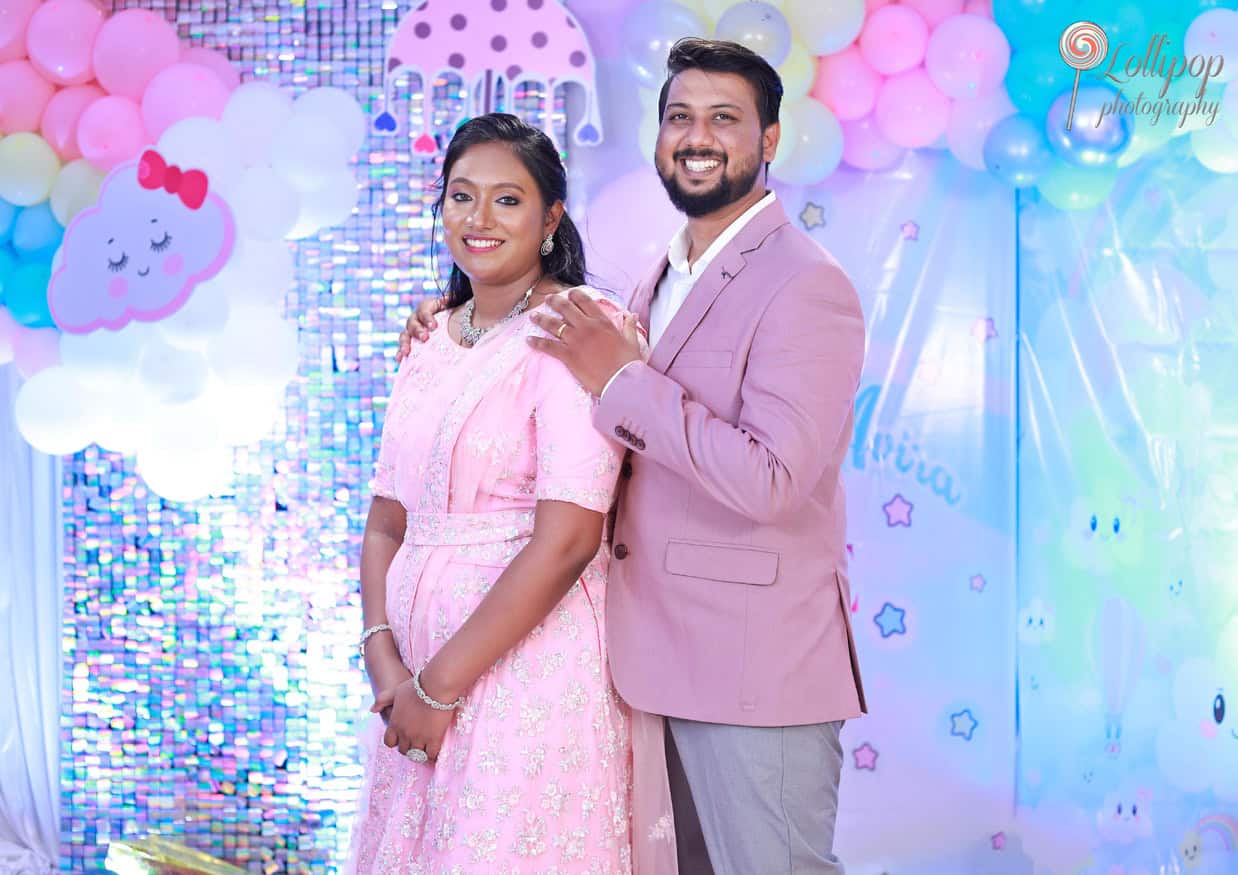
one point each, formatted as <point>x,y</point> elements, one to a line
<point>211,679</point>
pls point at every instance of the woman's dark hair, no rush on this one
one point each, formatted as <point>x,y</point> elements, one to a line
<point>536,151</point>
<point>720,56</point>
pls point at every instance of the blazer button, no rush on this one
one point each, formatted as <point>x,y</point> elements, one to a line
<point>620,431</point>
<point>640,444</point>
<point>626,469</point>
<point>621,551</point>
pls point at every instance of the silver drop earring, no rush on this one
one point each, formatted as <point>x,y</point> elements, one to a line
<point>548,245</point>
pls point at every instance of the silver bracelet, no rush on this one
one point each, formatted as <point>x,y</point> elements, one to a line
<point>365,636</point>
<point>432,702</point>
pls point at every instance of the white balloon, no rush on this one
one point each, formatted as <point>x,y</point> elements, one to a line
<point>1216,148</point>
<point>328,206</point>
<point>182,474</point>
<point>205,144</point>
<point>200,318</point>
<point>105,358</point>
<point>124,421</point>
<point>825,28</point>
<point>255,111</point>
<point>307,149</point>
<point>1228,113</point>
<point>172,375</point>
<point>336,108</point>
<point>1213,35</point>
<point>817,145</point>
<point>650,125</point>
<point>265,204</point>
<point>258,273</point>
<point>257,348</point>
<point>53,412</point>
<point>243,414</point>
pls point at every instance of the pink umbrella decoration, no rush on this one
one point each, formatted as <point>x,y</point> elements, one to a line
<point>483,41</point>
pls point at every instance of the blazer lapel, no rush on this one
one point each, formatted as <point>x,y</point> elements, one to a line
<point>726,265</point>
<point>645,291</point>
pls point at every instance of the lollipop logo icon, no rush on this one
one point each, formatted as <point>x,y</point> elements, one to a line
<point>1083,46</point>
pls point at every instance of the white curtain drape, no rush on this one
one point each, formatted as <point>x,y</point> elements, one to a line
<point>30,657</point>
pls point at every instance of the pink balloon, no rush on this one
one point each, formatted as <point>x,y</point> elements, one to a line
<point>216,62</point>
<point>619,250</point>
<point>983,8</point>
<point>934,12</point>
<point>967,56</point>
<point>970,123</point>
<point>846,84</point>
<point>910,111</point>
<point>23,97</point>
<point>865,148</point>
<point>131,48</point>
<point>110,132</point>
<point>61,40</point>
<point>14,17</point>
<point>182,91</point>
<point>35,349</point>
<point>60,118</point>
<point>894,39</point>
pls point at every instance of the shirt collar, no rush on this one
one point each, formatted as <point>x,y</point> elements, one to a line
<point>677,252</point>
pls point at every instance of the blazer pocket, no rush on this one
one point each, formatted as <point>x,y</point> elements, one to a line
<point>727,564</point>
<point>703,358</point>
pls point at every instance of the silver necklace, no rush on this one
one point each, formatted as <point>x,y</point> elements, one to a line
<point>470,335</point>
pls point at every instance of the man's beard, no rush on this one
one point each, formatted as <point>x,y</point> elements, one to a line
<point>728,189</point>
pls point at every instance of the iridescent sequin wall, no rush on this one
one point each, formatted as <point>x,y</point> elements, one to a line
<point>211,678</point>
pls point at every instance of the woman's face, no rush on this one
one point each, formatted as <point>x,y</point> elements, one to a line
<point>494,217</point>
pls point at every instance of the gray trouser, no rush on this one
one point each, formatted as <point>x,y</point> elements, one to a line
<point>754,800</point>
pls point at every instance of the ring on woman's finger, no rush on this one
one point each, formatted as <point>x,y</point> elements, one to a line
<point>559,331</point>
<point>417,755</point>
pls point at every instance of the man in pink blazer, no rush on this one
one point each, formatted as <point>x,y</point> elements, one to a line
<point>728,607</point>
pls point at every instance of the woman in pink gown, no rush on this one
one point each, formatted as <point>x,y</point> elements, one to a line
<point>502,746</point>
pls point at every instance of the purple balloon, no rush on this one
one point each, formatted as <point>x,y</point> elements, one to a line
<point>1099,130</point>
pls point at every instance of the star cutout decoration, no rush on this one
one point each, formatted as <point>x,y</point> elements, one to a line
<point>898,511</point>
<point>812,216</point>
<point>978,582</point>
<point>909,230</point>
<point>865,757</point>
<point>890,620</point>
<point>983,329</point>
<point>998,841</point>
<point>963,724</point>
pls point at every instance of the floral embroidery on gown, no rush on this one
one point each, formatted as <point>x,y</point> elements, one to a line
<point>535,773</point>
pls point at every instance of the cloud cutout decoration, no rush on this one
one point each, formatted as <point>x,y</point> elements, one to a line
<point>1197,749</point>
<point>155,234</point>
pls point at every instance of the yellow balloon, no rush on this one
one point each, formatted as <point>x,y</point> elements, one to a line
<point>28,167</point>
<point>77,187</point>
<point>798,72</point>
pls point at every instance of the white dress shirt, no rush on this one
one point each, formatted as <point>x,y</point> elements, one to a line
<point>681,276</point>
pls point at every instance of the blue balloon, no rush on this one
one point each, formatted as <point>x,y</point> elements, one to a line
<point>1036,76</point>
<point>758,26</point>
<point>25,294</point>
<point>1036,22</point>
<point>8,215</point>
<point>1099,130</point>
<point>8,263</point>
<point>1017,152</point>
<point>650,30</point>
<point>36,232</point>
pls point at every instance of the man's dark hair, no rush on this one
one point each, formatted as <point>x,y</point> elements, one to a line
<point>720,56</point>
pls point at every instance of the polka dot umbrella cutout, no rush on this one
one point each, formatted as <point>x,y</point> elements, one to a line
<point>484,41</point>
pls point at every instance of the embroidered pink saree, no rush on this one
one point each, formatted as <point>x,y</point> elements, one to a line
<point>535,774</point>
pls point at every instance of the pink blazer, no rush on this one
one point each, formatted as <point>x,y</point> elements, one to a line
<point>729,600</point>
